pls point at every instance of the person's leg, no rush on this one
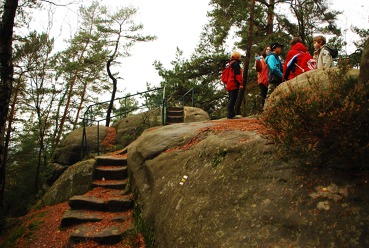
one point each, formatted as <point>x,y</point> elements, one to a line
<point>231,103</point>
<point>263,93</point>
<point>271,88</point>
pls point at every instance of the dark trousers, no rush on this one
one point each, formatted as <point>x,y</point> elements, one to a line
<point>263,94</point>
<point>232,98</point>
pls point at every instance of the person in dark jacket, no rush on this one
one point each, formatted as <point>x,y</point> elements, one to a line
<point>274,67</point>
<point>234,83</point>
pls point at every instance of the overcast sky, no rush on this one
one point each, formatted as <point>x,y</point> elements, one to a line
<point>178,24</point>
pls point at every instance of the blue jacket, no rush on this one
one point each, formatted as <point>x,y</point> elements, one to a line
<point>274,68</point>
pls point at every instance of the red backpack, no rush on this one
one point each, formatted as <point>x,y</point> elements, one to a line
<point>306,62</point>
<point>226,72</point>
<point>300,63</point>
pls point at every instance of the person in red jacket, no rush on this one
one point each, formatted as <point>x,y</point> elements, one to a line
<point>298,60</point>
<point>262,70</point>
<point>234,83</point>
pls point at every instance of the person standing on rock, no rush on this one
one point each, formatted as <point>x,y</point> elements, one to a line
<point>233,82</point>
<point>274,67</point>
<point>322,56</point>
<point>298,60</point>
<point>262,70</point>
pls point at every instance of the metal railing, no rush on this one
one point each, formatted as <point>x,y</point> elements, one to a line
<point>182,99</point>
<point>95,112</point>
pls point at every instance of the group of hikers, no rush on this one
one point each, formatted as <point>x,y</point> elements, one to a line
<point>272,72</point>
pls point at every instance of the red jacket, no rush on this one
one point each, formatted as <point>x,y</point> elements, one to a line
<point>235,76</point>
<point>262,69</point>
<point>295,49</point>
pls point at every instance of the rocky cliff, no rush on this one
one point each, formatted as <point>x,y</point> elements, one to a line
<point>217,184</point>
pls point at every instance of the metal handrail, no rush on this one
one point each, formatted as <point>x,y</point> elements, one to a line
<point>192,90</point>
<point>88,116</point>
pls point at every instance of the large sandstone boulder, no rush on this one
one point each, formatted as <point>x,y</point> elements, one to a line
<point>192,114</point>
<point>76,180</point>
<point>129,128</point>
<point>70,148</point>
<point>207,184</point>
<point>306,81</point>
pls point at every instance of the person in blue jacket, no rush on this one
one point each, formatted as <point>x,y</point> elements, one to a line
<point>275,67</point>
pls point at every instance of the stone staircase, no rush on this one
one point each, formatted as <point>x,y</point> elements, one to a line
<point>175,115</point>
<point>104,214</point>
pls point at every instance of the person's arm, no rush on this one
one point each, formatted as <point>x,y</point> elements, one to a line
<point>239,79</point>
<point>238,73</point>
<point>288,58</point>
<point>258,65</point>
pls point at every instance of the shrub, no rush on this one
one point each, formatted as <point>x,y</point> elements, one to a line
<point>322,122</point>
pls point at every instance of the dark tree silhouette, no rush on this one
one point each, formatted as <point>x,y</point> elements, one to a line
<point>7,70</point>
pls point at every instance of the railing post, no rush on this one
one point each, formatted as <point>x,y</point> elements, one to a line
<point>84,140</point>
<point>89,118</point>
<point>98,137</point>
<point>193,97</point>
<point>163,109</point>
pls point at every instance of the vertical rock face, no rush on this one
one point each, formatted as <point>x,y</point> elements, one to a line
<point>76,180</point>
<point>210,185</point>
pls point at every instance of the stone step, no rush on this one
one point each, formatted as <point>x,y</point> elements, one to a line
<point>174,119</point>
<point>106,236</point>
<point>86,202</point>
<point>110,184</point>
<point>119,204</point>
<point>110,161</point>
<point>73,217</point>
<point>112,204</point>
<point>175,109</point>
<point>175,113</point>
<point>111,172</point>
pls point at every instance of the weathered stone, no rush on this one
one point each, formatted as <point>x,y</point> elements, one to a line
<point>73,217</point>
<point>204,188</point>
<point>192,114</point>
<point>76,180</point>
<point>70,148</point>
<point>110,184</point>
<point>303,81</point>
<point>86,202</point>
<point>109,235</point>
<point>119,204</point>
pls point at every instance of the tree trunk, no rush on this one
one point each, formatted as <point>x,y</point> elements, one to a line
<point>245,75</point>
<point>113,92</point>
<point>7,70</point>
<point>80,106</point>
<point>364,64</point>
<point>11,114</point>
<point>108,64</point>
<point>270,17</point>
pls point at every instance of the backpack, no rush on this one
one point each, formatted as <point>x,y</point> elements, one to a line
<point>225,73</point>
<point>306,62</point>
<point>332,51</point>
<point>302,62</point>
<point>272,77</point>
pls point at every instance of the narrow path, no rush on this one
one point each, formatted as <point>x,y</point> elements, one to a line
<point>102,216</point>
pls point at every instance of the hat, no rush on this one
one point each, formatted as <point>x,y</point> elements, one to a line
<point>275,45</point>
